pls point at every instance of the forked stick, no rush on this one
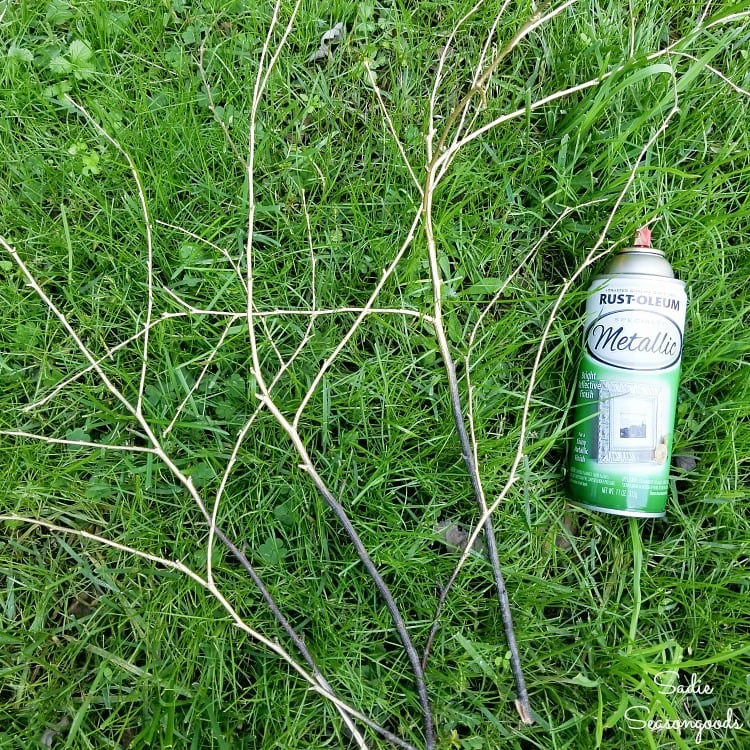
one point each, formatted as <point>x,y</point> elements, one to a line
<point>593,255</point>
<point>436,169</point>
<point>291,427</point>
<point>149,245</point>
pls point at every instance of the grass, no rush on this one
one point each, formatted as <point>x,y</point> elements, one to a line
<point>614,617</point>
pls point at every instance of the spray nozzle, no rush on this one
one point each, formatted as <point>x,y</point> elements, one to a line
<point>642,238</point>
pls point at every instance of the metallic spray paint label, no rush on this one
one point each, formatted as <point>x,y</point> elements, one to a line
<point>626,393</point>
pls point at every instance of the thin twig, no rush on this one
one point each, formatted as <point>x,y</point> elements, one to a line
<point>213,245</point>
<point>95,364</point>
<point>271,341</point>
<point>190,310</point>
<point>488,41</point>
<point>175,565</point>
<point>470,390</point>
<point>716,72</point>
<point>258,89</point>
<point>313,265</point>
<point>290,312</point>
<point>212,107</point>
<point>78,443</point>
<point>485,311</point>
<point>364,311</point>
<point>149,244</point>
<point>198,380</point>
<point>391,127</point>
<point>704,13</point>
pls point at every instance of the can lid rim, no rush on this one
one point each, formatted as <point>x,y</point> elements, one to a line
<point>641,251</point>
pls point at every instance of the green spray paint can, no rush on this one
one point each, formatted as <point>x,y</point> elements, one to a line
<point>626,391</point>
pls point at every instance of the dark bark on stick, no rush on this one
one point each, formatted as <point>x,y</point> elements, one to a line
<point>522,703</point>
<point>387,597</point>
<point>240,556</point>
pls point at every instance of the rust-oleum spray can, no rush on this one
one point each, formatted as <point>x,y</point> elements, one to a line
<point>626,392</point>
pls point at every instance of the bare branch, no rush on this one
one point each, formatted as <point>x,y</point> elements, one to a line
<point>260,83</point>
<point>78,443</point>
<point>291,428</point>
<point>159,451</point>
<point>198,380</point>
<point>435,171</point>
<point>470,399</point>
<point>389,122</point>
<point>468,457</point>
<point>149,244</point>
<point>366,310</point>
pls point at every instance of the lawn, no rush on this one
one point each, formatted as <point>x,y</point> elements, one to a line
<point>290,312</point>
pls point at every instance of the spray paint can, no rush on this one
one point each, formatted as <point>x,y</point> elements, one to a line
<point>626,392</point>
